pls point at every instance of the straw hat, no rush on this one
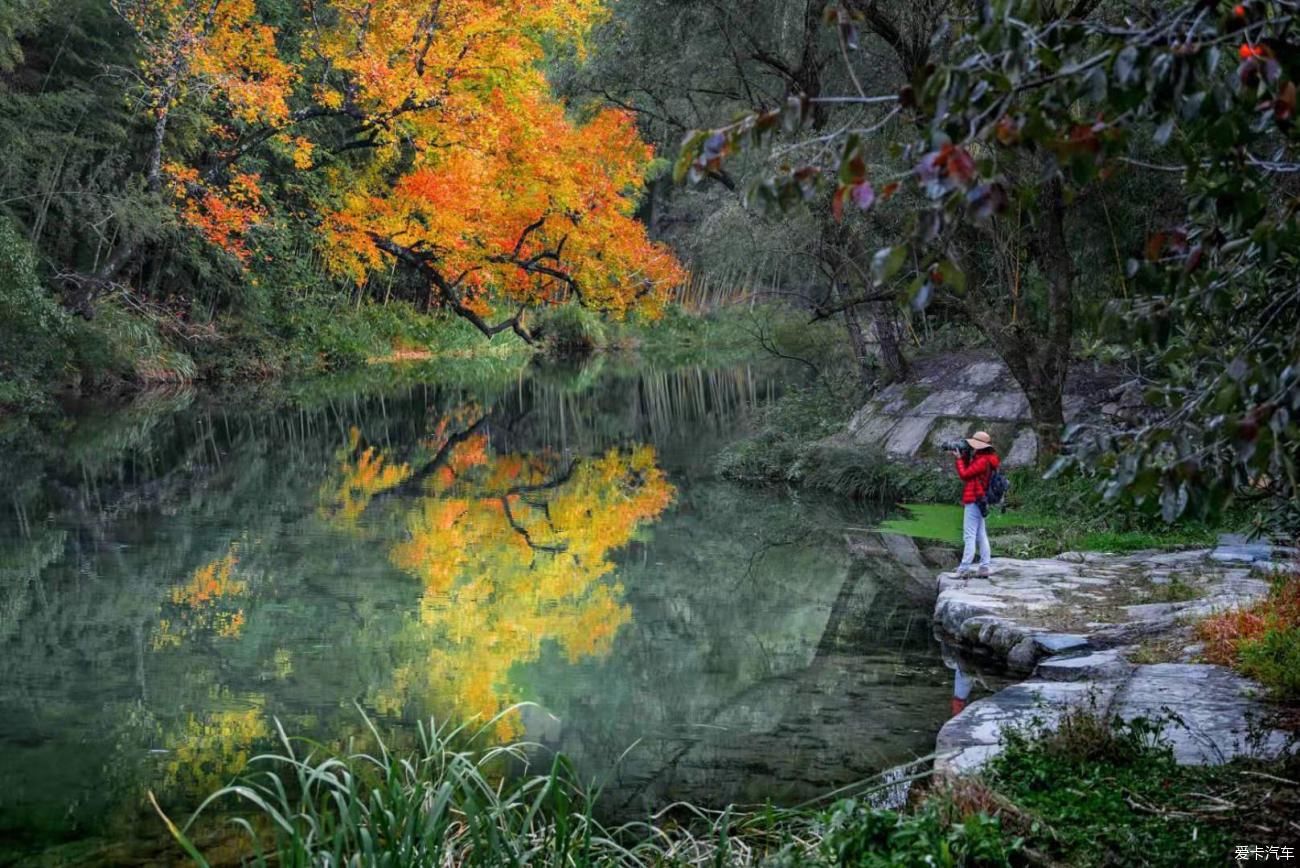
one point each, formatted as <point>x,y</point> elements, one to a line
<point>980,440</point>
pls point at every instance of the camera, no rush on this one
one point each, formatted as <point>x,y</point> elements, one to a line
<point>959,446</point>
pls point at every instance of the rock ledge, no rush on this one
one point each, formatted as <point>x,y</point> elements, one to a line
<point>1073,621</point>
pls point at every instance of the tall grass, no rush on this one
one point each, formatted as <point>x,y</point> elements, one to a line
<point>449,801</point>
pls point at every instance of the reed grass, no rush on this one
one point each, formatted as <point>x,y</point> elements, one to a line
<point>451,801</point>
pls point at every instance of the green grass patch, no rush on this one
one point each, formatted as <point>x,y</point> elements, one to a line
<point>1107,792</point>
<point>1044,517</point>
<point>943,521</point>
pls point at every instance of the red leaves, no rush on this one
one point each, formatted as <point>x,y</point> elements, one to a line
<point>1007,130</point>
<point>1225,634</point>
<point>948,168</point>
<point>1173,240</point>
<point>1084,138</point>
<point>958,164</point>
<point>1256,59</point>
<point>862,194</point>
<point>1284,105</point>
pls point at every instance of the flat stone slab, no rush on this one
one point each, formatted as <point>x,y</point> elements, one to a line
<point>1028,610</point>
<point>908,435</point>
<point>949,402</point>
<point>968,392</point>
<point>1008,406</point>
<point>983,373</point>
<point>1212,715</point>
<point>1218,717</point>
<point>1084,666</point>
<point>1024,450</point>
<point>1070,620</point>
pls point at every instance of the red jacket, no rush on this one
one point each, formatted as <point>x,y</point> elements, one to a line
<point>976,474</point>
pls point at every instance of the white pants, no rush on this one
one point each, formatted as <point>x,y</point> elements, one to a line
<point>973,531</point>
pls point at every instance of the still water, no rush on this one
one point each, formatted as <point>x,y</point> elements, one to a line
<point>179,573</point>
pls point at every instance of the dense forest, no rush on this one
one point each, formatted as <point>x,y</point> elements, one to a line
<point>232,189</point>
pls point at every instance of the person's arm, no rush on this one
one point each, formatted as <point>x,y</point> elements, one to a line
<point>974,470</point>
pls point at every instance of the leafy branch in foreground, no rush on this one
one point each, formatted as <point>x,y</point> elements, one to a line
<point>1033,109</point>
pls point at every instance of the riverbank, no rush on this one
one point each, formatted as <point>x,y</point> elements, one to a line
<point>123,352</point>
<point>1089,790</point>
<point>1094,761</point>
<point>1115,633</point>
<point>885,448</point>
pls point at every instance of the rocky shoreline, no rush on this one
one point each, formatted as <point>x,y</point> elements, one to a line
<point>1112,633</point>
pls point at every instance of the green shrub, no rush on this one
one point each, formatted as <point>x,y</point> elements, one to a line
<point>1109,792</point>
<point>120,344</point>
<point>450,800</point>
<point>316,334</point>
<point>34,329</point>
<point>859,835</point>
<point>1273,659</point>
<point>571,329</point>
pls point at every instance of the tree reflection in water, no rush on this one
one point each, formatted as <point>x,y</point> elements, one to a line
<point>175,576</point>
<point>512,551</point>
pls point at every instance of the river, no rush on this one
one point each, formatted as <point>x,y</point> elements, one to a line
<point>180,572</point>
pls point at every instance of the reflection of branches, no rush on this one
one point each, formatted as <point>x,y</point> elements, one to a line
<point>761,552</point>
<point>523,531</point>
<point>414,482</point>
<point>517,490</point>
<point>543,486</point>
<point>766,342</point>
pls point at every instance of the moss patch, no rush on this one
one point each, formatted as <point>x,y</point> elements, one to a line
<point>942,521</point>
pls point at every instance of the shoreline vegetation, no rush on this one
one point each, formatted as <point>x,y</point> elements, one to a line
<point>124,350</point>
<point>794,447</point>
<point>1091,792</point>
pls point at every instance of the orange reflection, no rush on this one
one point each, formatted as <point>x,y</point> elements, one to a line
<point>513,551</point>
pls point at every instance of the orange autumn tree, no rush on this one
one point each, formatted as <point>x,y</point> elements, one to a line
<point>434,141</point>
<point>512,551</point>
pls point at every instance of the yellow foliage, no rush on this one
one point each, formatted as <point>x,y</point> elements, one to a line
<point>361,477</point>
<point>469,157</point>
<point>210,749</point>
<point>512,552</point>
<point>202,605</point>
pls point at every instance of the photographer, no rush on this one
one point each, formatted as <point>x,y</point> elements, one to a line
<point>976,461</point>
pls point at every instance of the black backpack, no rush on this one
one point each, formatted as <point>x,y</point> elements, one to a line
<point>996,491</point>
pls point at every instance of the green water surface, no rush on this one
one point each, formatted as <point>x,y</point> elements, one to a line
<point>179,572</point>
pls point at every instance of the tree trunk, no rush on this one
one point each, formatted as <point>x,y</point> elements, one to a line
<point>1036,350</point>
<point>862,356</point>
<point>889,336</point>
<point>1046,407</point>
<point>153,175</point>
<point>1051,361</point>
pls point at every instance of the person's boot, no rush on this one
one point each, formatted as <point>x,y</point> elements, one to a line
<point>984,572</point>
